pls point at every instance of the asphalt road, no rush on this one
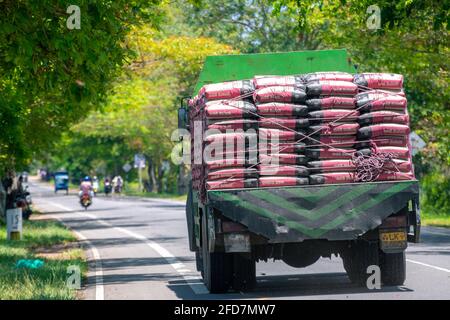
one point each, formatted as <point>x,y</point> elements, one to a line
<point>138,249</point>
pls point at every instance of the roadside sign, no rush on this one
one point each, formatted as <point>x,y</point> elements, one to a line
<point>417,143</point>
<point>139,161</point>
<point>14,223</point>
<point>126,167</point>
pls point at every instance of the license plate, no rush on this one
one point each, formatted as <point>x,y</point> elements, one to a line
<point>393,236</point>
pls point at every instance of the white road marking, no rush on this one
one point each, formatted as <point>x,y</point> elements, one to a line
<point>428,265</point>
<point>99,289</point>
<point>198,288</point>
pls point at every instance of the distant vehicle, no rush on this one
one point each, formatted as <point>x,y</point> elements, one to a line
<point>61,181</point>
<point>25,177</point>
<point>107,187</point>
<point>23,200</point>
<point>95,185</point>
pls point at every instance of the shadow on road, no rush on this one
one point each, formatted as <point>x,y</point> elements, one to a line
<point>285,286</point>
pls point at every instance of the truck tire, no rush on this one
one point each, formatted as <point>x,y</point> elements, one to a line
<point>217,266</point>
<point>393,268</point>
<point>244,272</point>
<point>190,217</point>
<point>199,261</point>
<point>358,258</point>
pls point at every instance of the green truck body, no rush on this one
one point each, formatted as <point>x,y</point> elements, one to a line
<point>364,223</point>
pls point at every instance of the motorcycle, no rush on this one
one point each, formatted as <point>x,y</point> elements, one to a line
<point>107,188</point>
<point>23,200</point>
<point>85,200</point>
<point>95,187</point>
<point>118,189</point>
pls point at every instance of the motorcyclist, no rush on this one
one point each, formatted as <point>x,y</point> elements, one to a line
<point>118,183</point>
<point>107,186</point>
<point>86,187</point>
<point>95,184</point>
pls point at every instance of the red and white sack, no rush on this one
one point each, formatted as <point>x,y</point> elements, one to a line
<point>230,109</point>
<point>371,101</point>
<point>383,141</point>
<point>234,173</point>
<point>231,125</point>
<point>395,176</point>
<point>331,88</point>
<point>334,141</point>
<point>265,147</point>
<point>283,158</point>
<point>379,117</point>
<point>331,103</point>
<point>334,76</point>
<point>384,129</point>
<point>332,178</point>
<point>274,135</point>
<point>227,90</point>
<point>329,153</point>
<point>379,80</point>
<point>231,184</point>
<point>233,162</point>
<point>283,170</point>
<point>278,81</point>
<point>279,181</point>
<point>284,123</point>
<point>279,94</point>
<point>336,129</point>
<point>335,165</point>
<point>277,109</point>
<point>397,152</point>
<point>334,115</point>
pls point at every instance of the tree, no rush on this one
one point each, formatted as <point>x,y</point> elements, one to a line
<point>51,76</point>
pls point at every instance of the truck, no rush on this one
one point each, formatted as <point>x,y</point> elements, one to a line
<point>366,224</point>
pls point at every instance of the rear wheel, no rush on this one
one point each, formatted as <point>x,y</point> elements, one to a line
<point>244,272</point>
<point>393,268</point>
<point>217,266</point>
<point>358,258</point>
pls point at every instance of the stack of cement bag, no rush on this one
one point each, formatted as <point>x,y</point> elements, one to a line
<point>384,122</point>
<point>280,103</point>
<point>333,127</point>
<point>226,116</point>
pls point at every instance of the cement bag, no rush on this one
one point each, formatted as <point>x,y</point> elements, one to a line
<point>399,165</point>
<point>377,101</point>
<point>378,117</point>
<point>230,110</point>
<point>337,129</point>
<point>231,184</point>
<point>335,76</point>
<point>397,152</point>
<point>395,176</point>
<point>331,166</point>
<point>283,158</point>
<point>330,115</point>
<point>279,81</point>
<point>284,123</point>
<point>230,125</point>
<point>332,178</point>
<point>282,110</point>
<point>331,103</point>
<point>280,170</point>
<point>329,153</point>
<point>331,88</point>
<point>242,173</point>
<point>385,129</point>
<point>229,163</point>
<point>383,141</point>
<point>335,141</point>
<point>281,135</point>
<point>226,90</point>
<point>277,181</point>
<point>379,80</point>
<point>282,147</point>
<point>280,94</point>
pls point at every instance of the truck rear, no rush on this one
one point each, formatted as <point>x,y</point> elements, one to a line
<point>345,188</point>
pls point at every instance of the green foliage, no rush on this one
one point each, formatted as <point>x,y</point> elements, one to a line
<point>50,76</point>
<point>436,194</point>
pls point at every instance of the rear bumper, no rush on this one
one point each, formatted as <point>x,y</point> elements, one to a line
<point>329,212</point>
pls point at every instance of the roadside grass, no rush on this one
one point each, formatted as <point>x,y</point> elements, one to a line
<point>49,241</point>
<point>435,220</point>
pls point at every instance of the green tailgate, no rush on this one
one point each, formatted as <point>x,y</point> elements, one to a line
<point>332,212</point>
<point>246,66</point>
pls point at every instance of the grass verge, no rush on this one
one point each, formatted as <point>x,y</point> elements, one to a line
<point>435,220</point>
<point>49,241</point>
